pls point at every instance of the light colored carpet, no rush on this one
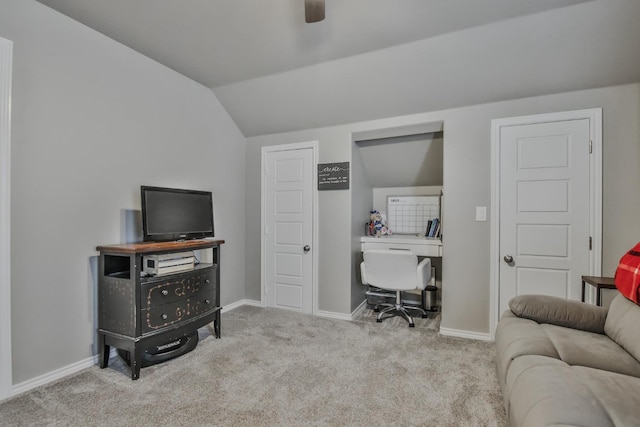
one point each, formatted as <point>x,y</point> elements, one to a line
<point>280,368</point>
<point>432,323</point>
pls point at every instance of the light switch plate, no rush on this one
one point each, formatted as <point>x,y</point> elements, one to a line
<point>481,213</point>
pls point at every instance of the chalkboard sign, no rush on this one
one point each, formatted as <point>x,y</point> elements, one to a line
<point>333,176</point>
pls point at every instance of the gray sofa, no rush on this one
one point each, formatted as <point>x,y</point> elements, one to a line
<point>563,362</point>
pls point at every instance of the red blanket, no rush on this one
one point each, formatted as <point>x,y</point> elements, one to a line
<point>627,276</point>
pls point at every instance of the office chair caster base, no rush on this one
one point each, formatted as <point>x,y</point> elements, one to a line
<point>381,306</point>
<point>379,320</point>
<point>412,325</point>
<point>425,316</point>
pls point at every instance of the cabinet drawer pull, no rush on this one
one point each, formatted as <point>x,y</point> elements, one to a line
<point>165,292</point>
<point>164,317</point>
<point>207,301</point>
<point>206,281</point>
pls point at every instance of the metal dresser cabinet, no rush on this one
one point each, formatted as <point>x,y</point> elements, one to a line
<point>138,312</point>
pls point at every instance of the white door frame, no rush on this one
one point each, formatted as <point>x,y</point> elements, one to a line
<point>6,55</point>
<point>313,145</point>
<point>594,116</point>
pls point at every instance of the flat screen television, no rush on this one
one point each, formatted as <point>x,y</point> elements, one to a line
<point>174,214</point>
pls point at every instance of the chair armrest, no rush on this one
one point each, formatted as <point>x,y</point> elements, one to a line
<point>560,312</point>
<point>424,273</point>
<point>363,274</point>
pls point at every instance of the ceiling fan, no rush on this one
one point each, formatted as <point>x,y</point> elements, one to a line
<point>313,10</point>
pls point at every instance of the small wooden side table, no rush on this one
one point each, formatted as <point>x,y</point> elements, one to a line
<point>599,283</point>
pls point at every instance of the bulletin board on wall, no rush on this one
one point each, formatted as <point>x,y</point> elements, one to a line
<point>412,214</point>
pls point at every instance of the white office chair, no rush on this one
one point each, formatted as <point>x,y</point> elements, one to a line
<point>395,270</point>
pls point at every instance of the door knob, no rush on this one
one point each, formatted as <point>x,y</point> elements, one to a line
<point>306,248</point>
<point>508,259</point>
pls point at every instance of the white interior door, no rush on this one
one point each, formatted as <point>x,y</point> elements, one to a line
<point>288,229</point>
<point>544,227</point>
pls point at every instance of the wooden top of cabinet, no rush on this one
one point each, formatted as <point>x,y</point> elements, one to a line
<point>149,247</point>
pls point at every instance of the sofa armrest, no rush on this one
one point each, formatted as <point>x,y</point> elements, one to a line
<point>560,312</point>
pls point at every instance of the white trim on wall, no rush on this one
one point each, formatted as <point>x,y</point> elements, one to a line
<point>57,374</point>
<point>478,336</point>
<point>241,303</point>
<point>313,145</point>
<point>594,115</point>
<point>6,58</point>
<point>92,361</point>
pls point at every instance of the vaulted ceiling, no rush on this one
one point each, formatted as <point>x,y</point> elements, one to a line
<point>274,73</point>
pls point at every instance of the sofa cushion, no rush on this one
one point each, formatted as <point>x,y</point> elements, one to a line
<point>547,392</point>
<point>618,394</point>
<point>581,348</point>
<point>516,337</point>
<point>560,311</point>
<point>623,324</point>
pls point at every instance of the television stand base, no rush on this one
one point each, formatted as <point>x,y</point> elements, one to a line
<point>162,353</point>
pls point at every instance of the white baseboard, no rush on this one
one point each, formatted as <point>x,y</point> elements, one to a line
<point>73,368</point>
<point>359,310</point>
<point>240,303</point>
<point>465,334</point>
<point>57,374</point>
<point>319,313</point>
<point>332,315</point>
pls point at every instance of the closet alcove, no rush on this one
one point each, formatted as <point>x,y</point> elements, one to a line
<point>397,161</point>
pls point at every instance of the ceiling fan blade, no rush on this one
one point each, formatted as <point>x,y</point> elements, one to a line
<point>313,10</point>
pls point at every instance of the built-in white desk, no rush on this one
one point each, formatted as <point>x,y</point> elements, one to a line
<point>420,245</point>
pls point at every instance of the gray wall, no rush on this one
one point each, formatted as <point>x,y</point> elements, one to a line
<point>361,204</point>
<point>334,212</point>
<point>92,121</point>
<point>587,45</point>
<point>407,161</point>
<point>467,184</point>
